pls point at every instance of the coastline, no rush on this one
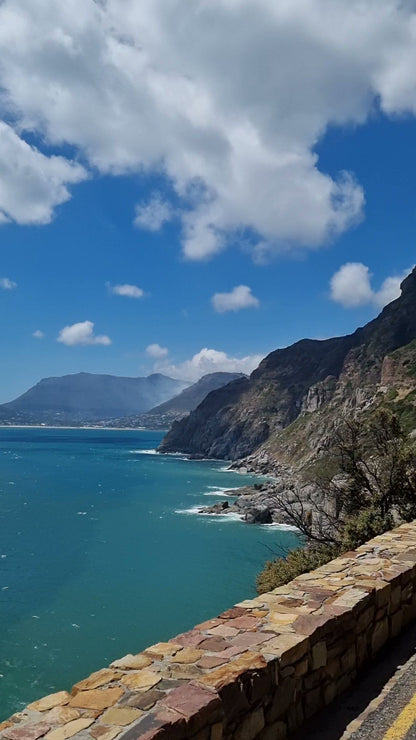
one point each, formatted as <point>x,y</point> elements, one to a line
<point>91,427</point>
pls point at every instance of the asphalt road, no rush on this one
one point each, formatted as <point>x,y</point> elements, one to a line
<point>382,703</point>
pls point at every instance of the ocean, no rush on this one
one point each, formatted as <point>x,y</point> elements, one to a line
<point>101,552</point>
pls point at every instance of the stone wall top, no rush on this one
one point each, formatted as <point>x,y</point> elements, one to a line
<point>255,671</point>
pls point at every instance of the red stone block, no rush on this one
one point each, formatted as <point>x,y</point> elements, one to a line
<point>27,732</point>
<point>214,644</point>
<point>236,611</point>
<point>245,623</point>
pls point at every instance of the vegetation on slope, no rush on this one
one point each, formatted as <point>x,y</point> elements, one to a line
<point>366,485</point>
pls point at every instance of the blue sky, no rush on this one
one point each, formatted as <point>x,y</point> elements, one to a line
<point>246,213</point>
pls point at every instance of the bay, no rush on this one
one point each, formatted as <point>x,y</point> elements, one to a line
<point>100,554</point>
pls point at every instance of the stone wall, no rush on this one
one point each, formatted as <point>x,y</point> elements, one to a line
<point>259,670</point>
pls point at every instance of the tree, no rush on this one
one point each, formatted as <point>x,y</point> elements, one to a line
<point>364,485</point>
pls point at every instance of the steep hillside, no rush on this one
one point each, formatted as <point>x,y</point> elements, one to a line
<point>289,403</point>
<point>85,396</point>
<point>191,397</point>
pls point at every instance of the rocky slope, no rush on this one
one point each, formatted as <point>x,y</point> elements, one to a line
<point>284,412</point>
<point>87,397</point>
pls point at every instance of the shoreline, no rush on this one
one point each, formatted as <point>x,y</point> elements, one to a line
<point>90,428</point>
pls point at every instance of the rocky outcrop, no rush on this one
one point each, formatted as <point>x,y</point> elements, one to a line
<point>300,389</point>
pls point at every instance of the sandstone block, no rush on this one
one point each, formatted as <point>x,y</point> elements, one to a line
<point>276,731</point>
<point>61,715</point>
<point>120,716</point>
<point>70,729</point>
<point>100,732</point>
<point>49,702</point>
<point>132,662</point>
<point>27,732</point>
<point>251,725</point>
<point>319,655</point>
<point>141,679</point>
<point>97,679</point>
<point>289,648</point>
<point>380,635</point>
<point>96,698</point>
<point>312,702</point>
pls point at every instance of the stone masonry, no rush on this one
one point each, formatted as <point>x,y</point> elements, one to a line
<point>258,670</point>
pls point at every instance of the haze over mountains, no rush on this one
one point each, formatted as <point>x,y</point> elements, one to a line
<point>88,397</point>
<point>155,400</point>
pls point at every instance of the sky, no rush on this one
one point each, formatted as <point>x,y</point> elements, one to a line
<point>185,187</point>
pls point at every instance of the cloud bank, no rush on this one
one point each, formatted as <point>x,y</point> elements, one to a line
<point>156,351</point>
<point>209,361</point>
<point>240,297</point>
<point>351,286</point>
<point>225,99</point>
<point>81,333</point>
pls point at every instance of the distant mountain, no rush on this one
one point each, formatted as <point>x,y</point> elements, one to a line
<point>191,397</point>
<point>161,417</point>
<point>286,411</point>
<point>88,397</point>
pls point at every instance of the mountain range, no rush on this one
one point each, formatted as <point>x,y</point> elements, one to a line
<point>285,411</point>
<point>109,400</point>
<point>88,397</point>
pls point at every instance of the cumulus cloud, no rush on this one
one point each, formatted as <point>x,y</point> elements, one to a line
<point>209,361</point>
<point>351,286</point>
<point>31,184</point>
<point>81,333</point>
<point>156,351</point>
<point>38,334</point>
<point>7,284</point>
<point>240,297</point>
<point>226,100</point>
<point>152,214</point>
<point>130,291</point>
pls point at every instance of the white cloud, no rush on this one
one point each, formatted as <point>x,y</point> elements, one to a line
<point>38,334</point>
<point>81,333</point>
<point>130,291</point>
<point>240,297</point>
<point>226,99</point>
<point>31,184</point>
<point>7,284</point>
<point>209,361</point>
<point>351,286</point>
<point>152,214</point>
<point>156,351</point>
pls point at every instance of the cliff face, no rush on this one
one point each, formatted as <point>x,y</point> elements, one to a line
<point>306,384</point>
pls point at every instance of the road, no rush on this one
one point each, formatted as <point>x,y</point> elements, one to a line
<point>382,703</point>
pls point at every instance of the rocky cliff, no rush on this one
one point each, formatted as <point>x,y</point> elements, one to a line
<point>283,412</point>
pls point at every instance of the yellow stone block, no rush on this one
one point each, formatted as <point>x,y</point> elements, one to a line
<point>132,662</point>
<point>187,655</point>
<point>141,680</point>
<point>120,716</point>
<point>62,733</point>
<point>97,679</point>
<point>49,702</point>
<point>162,649</point>
<point>61,715</point>
<point>100,732</point>
<point>97,698</point>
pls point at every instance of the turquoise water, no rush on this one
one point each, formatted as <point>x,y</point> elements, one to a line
<point>97,558</point>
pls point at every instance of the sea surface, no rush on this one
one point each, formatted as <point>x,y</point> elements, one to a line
<point>101,552</point>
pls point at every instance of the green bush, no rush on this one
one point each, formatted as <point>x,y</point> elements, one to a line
<point>282,570</point>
